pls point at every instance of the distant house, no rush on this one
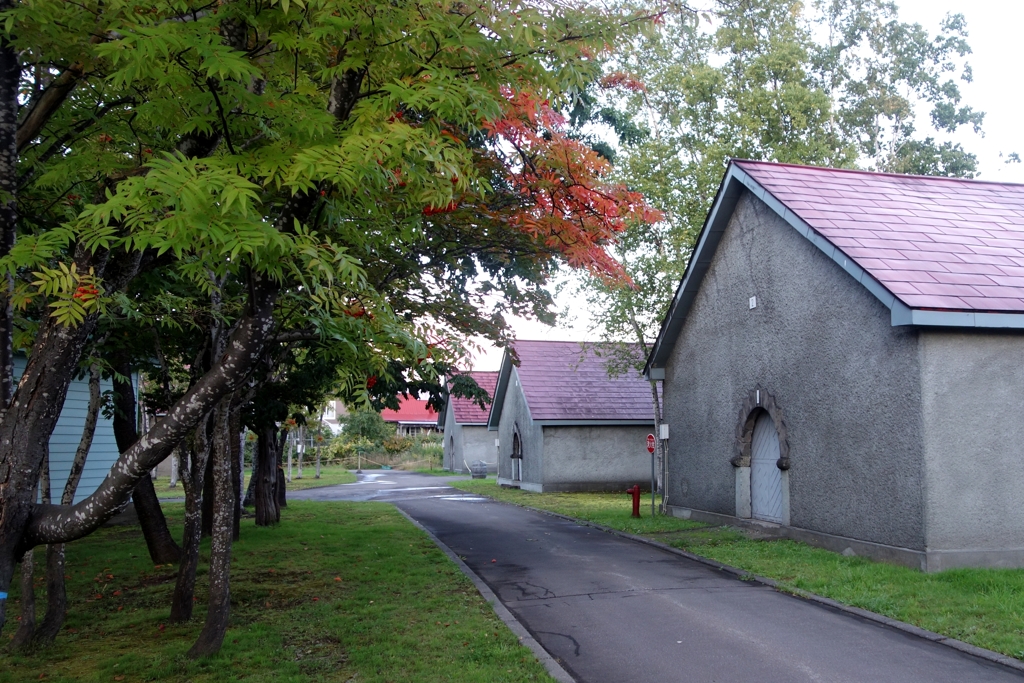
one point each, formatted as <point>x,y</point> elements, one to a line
<point>464,422</point>
<point>67,434</point>
<point>843,359</point>
<point>563,424</point>
<point>412,417</point>
<point>334,413</point>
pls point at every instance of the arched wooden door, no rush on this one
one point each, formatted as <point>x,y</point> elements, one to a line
<point>765,475</point>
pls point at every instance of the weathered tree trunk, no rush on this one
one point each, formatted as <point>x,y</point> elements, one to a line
<point>51,524</point>
<point>56,590</point>
<point>27,424</point>
<point>224,500</point>
<point>660,461</point>
<point>185,587</point>
<point>250,491</point>
<point>27,627</point>
<point>10,74</point>
<point>159,542</point>
<point>281,499</point>
<point>280,488</point>
<point>208,494</point>
<point>56,596</point>
<point>174,472</point>
<point>235,436</point>
<point>265,474</point>
<point>210,442</point>
<point>25,433</point>
<point>317,460</point>
<point>660,450</point>
<point>290,448</point>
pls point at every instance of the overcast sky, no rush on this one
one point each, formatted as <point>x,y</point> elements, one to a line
<point>996,36</point>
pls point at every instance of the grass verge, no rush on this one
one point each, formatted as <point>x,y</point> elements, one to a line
<point>329,476</point>
<point>984,607</point>
<point>336,592</point>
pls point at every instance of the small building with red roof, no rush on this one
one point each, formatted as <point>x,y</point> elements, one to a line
<point>413,416</point>
<point>844,360</point>
<point>464,422</point>
<point>565,421</point>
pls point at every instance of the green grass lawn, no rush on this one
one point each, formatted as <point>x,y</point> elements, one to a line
<point>336,592</point>
<point>329,476</point>
<point>984,607</point>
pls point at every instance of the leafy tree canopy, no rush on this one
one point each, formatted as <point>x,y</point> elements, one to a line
<point>833,82</point>
<point>218,188</point>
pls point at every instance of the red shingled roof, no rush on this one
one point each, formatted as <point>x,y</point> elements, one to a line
<point>468,411</point>
<point>937,243</point>
<point>410,411</point>
<point>562,382</point>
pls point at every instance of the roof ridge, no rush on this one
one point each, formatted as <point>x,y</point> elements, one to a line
<point>882,174</point>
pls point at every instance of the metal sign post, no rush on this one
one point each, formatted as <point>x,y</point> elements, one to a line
<point>650,449</point>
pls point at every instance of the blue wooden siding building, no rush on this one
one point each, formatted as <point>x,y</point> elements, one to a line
<point>68,433</point>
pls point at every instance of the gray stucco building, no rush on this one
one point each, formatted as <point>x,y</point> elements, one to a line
<point>564,424</point>
<point>464,423</point>
<point>843,358</point>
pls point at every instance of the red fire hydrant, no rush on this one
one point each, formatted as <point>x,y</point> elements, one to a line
<point>636,499</point>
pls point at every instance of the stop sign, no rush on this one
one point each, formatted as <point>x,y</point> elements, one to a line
<point>650,443</point>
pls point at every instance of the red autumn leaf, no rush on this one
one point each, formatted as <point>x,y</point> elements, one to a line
<point>567,203</point>
<point>619,79</point>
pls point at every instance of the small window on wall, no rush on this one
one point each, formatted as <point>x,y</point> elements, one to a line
<point>517,446</point>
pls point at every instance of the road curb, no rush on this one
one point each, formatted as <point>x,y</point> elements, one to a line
<point>966,648</point>
<point>550,663</point>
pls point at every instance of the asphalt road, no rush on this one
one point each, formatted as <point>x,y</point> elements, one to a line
<point>611,610</point>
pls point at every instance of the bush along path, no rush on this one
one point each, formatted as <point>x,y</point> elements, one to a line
<point>982,607</point>
<point>342,592</point>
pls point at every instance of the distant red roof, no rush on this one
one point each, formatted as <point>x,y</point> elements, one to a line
<point>568,382</point>
<point>468,411</point>
<point>935,243</point>
<point>410,411</point>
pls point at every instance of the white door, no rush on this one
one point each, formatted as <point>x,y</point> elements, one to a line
<point>765,475</point>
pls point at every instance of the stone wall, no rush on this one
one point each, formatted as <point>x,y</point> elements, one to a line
<point>972,387</point>
<point>590,458</point>
<point>844,380</point>
<point>515,415</point>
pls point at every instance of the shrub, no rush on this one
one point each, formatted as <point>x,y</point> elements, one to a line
<point>368,425</point>
<point>397,444</point>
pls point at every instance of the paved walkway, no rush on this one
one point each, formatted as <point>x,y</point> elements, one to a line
<point>615,611</point>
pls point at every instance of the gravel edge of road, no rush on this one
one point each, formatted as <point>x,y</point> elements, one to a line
<point>966,648</point>
<point>550,663</point>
